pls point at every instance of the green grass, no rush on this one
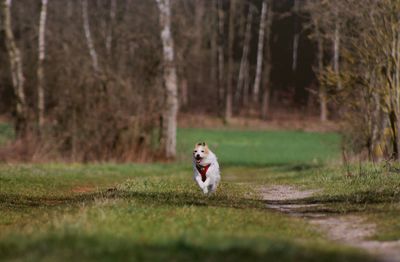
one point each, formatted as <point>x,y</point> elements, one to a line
<point>103,212</point>
<point>262,148</point>
<point>145,215</point>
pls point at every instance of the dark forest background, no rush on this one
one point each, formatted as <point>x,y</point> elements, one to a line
<point>93,80</point>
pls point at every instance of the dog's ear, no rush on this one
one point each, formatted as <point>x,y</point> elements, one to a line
<point>204,143</point>
<point>199,144</point>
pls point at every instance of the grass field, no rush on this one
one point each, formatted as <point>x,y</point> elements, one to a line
<point>103,212</point>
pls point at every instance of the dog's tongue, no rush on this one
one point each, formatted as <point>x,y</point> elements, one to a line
<point>198,161</point>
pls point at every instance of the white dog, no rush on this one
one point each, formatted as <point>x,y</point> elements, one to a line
<point>205,168</point>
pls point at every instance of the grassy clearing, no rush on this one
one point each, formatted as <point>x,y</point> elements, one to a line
<point>105,212</point>
<point>147,216</point>
<point>263,148</point>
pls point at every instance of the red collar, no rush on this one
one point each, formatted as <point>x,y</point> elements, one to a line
<point>203,170</point>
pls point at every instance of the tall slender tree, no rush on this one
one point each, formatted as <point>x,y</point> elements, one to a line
<point>41,59</point>
<point>231,40</point>
<point>170,80</point>
<point>221,55</point>
<point>244,63</point>
<point>267,65</point>
<point>260,52</point>
<point>88,35</point>
<point>16,68</point>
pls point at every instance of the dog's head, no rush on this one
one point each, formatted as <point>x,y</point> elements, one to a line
<point>200,152</point>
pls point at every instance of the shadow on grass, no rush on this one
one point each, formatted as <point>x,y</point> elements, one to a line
<point>15,201</point>
<point>100,247</point>
<point>279,167</point>
<point>327,204</point>
<point>336,204</point>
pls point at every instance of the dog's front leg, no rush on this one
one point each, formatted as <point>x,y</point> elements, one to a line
<point>200,182</point>
<point>206,184</point>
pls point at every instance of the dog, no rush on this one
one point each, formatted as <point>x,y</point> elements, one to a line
<point>205,168</point>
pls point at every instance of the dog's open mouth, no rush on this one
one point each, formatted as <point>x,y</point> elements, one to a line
<point>198,160</point>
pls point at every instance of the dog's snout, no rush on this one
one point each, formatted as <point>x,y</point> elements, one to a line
<point>197,155</point>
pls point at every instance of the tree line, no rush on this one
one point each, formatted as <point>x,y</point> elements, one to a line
<point>105,79</point>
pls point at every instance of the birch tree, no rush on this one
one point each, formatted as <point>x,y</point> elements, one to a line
<point>16,68</point>
<point>170,80</point>
<point>317,17</point>
<point>260,57</point>
<point>267,67</point>
<point>41,59</point>
<point>296,36</point>
<point>220,51</point>
<point>88,36</point>
<point>231,40</point>
<point>244,62</point>
<point>336,47</point>
<point>113,14</point>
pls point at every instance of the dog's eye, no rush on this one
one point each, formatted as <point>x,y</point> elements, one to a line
<point>195,151</point>
<point>202,151</point>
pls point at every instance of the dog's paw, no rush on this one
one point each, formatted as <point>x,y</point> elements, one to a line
<point>205,190</point>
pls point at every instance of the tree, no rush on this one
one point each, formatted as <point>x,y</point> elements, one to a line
<point>16,68</point>
<point>41,59</point>
<point>296,36</point>
<point>89,39</point>
<point>317,16</point>
<point>244,62</point>
<point>260,56</point>
<point>267,66</point>
<point>220,51</point>
<point>231,40</point>
<point>170,80</point>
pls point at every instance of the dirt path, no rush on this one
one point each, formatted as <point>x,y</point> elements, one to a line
<point>350,229</point>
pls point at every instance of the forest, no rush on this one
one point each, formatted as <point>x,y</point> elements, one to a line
<point>101,80</point>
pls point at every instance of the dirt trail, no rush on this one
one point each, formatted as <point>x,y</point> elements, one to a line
<point>350,229</point>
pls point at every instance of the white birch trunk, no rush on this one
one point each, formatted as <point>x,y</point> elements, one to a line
<point>231,39</point>
<point>265,103</point>
<point>199,16</point>
<point>41,59</point>
<point>220,50</point>
<point>336,50</point>
<point>16,70</point>
<point>322,90</point>
<point>170,80</point>
<point>296,37</point>
<point>88,35</point>
<point>113,14</point>
<point>257,81</point>
<point>245,54</point>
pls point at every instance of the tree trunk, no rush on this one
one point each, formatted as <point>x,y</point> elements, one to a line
<point>260,57</point>
<point>16,72</point>
<point>113,14</point>
<point>231,39</point>
<point>221,60</point>
<point>214,47</point>
<point>88,35</point>
<point>395,143</point>
<point>245,54</point>
<point>199,21</point>
<point>296,36</point>
<point>336,51</point>
<point>40,69</point>
<point>170,80</point>
<point>323,103</point>
<point>268,66</point>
